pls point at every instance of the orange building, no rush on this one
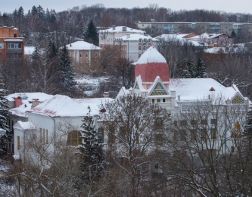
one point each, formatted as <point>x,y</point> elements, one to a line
<point>11,44</point>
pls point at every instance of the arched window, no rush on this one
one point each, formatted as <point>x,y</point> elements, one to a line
<point>74,138</point>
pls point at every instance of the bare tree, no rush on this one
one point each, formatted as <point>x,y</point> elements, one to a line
<point>208,155</point>
<point>134,128</point>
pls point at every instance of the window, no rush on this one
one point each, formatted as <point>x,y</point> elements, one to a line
<point>100,135</point>
<point>214,121</point>
<point>213,133</point>
<point>74,138</point>
<point>14,45</point>
<point>111,135</point>
<point>163,100</point>
<point>18,142</point>
<point>43,136</point>
<point>153,101</point>
<point>1,45</point>
<point>159,123</point>
<point>158,100</point>
<point>236,131</point>
<point>40,135</point>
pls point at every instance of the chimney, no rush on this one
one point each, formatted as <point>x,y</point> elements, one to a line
<point>124,28</point>
<point>35,102</point>
<point>113,27</point>
<point>18,101</point>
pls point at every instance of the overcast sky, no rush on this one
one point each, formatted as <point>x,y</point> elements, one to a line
<point>244,6</point>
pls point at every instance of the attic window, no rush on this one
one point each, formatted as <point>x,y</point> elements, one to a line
<point>237,100</point>
<point>159,90</point>
<point>103,110</point>
<point>211,89</point>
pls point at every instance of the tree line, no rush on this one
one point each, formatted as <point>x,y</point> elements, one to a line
<point>39,19</point>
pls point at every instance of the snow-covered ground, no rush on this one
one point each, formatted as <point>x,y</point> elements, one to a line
<point>6,188</point>
<point>90,84</point>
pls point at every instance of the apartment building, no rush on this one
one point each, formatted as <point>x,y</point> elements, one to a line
<point>199,27</point>
<point>11,44</point>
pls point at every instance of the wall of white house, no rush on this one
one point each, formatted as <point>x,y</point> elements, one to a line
<point>18,151</point>
<point>55,128</point>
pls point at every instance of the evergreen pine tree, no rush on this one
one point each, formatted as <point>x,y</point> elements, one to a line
<point>51,62</point>
<point>91,35</point>
<point>5,132</point>
<point>92,162</point>
<point>51,51</point>
<point>200,69</point>
<point>65,72</point>
<point>233,34</point>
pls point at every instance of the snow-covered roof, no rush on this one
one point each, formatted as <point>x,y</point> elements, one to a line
<point>229,49</point>
<point>27,99</point>
<point>135,37</point>
<point>24,125</point>
<point>28,50</point>
<point>181,38</point>
<point>191,89</point>
<point>198,88</point>
<point>13,40</point>
<point>29,96</point>
<point>123,92</point>
<point>206,36</point>
<point>151,55</point>
<point>168,37</point>
<point>119,29</point>
<point>82,45</point>
<point>64,106</point>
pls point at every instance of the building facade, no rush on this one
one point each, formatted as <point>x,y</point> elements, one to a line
<point>108,36</point>
<point>134,45</point>
<point>11,44</point>
<point>199,27</point>
<point>216,109</point>
<point>84,55</point>
<point>55,121</point>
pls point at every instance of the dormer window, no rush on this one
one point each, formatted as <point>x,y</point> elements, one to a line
<point>211,89</point>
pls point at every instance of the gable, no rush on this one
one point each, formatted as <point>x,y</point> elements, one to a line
<point>237,99</point>
<point>136,86</point>
<point>158,90</point>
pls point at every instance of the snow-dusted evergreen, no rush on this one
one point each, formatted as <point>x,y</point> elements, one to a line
<point>91,35</point>
<point>189,69</point>
<point>92,158</point>
<point>200,69</point>
<point>65,72</point>
<point>5,134</point>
